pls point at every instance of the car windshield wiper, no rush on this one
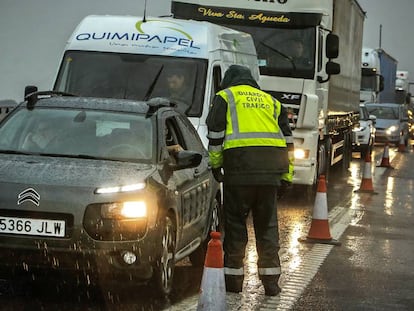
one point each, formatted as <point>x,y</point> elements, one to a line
<point>81,156</point>
<point>151,88</point>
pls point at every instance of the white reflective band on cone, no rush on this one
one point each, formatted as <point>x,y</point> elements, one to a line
<point>213,290</point>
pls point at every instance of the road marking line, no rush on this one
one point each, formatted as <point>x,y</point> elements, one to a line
<point>302,275</point>
<point>299,278</point>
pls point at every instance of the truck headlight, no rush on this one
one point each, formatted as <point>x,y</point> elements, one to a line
<point>301,153</point>
<point>124,210</point>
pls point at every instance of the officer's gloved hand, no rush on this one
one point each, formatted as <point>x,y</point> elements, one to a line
<point>283,188</point>
<point>218,174</point>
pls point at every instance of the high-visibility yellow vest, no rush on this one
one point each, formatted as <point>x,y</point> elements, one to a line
<point>252,118</point>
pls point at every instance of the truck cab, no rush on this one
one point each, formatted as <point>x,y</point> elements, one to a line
<point>131,57</point>
<point>309,56</point>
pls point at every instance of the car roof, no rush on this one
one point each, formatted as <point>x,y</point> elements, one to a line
<point>108,104</point>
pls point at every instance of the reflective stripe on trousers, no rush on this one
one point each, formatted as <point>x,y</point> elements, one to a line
<point>269,271</point>
<point>233,271</point>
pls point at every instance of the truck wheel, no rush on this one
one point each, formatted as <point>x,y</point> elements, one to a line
<point>347,153</point>
<point>324,155</point>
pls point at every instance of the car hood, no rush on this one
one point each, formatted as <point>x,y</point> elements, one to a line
<point>70,172</point>
<point>385,123</point>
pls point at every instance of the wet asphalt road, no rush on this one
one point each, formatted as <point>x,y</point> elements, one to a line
<point>374,267</point>
<point>371,270</point>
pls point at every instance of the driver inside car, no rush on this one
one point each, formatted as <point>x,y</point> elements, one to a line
<point>39,138</point>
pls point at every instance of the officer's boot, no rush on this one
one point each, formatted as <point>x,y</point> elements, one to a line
<point>234,283</point>
<point>270,284</point>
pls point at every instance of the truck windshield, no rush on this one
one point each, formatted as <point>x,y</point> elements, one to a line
<point>139,77</point>
<point>368,83</point>
<point>284,52</point>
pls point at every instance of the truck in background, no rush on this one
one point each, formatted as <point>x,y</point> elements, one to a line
<point>131,57</point>
<point>402,87</point>
<point>6,105</point>
<point>388,66</point>
<point>372,82</point>
<point>322,96</point>
<point>403,96</point>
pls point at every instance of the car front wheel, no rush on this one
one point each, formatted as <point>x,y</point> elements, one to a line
<point>197,258</point>
<point>164,269</point>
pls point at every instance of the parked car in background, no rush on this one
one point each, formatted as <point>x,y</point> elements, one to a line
<point>392,122</point>
<point>364,136</point>
<point>110,188</point>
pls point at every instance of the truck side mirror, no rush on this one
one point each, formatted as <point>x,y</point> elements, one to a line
<point>332,46</point>
<point>332,68</point>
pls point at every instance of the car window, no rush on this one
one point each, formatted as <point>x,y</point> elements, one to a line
<point>192,138</point>
<point>76,132</point>
<point>172,134</point>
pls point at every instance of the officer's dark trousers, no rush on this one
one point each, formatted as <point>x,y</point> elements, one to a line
<point>239,200</point>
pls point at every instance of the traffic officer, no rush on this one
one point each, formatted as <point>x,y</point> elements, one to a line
<point>248,131</point>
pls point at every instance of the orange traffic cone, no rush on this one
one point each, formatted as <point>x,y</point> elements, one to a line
<point>366,184</point>
<point>213,288</point>
<point>401,145</point>
<point>385,161</point>
<point>319,231</point>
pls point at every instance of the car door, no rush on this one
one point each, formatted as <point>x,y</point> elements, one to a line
<point>190,184</point>
<point>198,201</point>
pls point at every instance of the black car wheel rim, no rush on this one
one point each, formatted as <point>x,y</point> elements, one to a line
<point>167,254</point>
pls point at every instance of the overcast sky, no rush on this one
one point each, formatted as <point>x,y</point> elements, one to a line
<point>33,34</point>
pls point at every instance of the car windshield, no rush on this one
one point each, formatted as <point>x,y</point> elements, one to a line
<point>383,112</point>
<point>78,133</point>
<point>138,77</point>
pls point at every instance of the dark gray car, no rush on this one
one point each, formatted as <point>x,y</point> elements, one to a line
<point>103,187</point>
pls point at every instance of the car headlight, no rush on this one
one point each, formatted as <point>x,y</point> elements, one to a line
<point>392,129</point>
<point>117,189</point>
<point>124,210</point>
<point>359,129</point>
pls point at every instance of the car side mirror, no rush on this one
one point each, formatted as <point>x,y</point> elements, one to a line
<point>373,118</point>
<point>186,159</point>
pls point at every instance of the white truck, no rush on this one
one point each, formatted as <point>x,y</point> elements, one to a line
<point>323,108</point>
<point>402,87</point>
<point>131,57</point>
<point>372,82</point>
